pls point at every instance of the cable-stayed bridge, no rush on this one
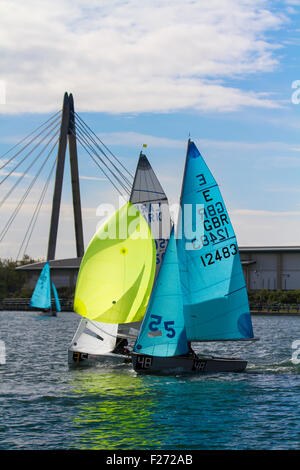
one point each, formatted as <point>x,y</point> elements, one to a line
<point>43,152</point>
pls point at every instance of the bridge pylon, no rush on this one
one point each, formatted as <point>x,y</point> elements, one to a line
<point>67,136</point>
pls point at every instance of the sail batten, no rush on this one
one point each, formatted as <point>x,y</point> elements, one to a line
<point>213,286</point>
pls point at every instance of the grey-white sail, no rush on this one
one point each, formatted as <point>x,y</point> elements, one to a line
<point>149,197</point>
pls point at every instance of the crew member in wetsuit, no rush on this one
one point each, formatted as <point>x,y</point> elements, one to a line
<point>121,346</point>
<point>191,352</point>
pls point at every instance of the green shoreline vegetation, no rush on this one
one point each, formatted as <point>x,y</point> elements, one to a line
<point>265,296</point>
<point>13,286</point>
<point>13,283</point>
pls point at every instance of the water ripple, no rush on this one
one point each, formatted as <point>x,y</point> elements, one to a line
<point>46,405</point>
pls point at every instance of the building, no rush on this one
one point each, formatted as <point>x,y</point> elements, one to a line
<point>272,268</point>
<point>63,272</point>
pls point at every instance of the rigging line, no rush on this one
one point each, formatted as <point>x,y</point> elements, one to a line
<point>27,155</point>
<point>99,148</point>
<point>123,176</point>
<point>102,143</point>
<point>93,150</point>
<point>8,161</point>
<point>27,169</point>
<point>124,183</point>
<point>12,217</point>
<point>109,179</point>
<point>79,139</point>
<point>121,183</point>
<point>34,218</point>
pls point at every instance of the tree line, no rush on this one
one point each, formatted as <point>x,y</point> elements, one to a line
<point>266,296</point>
<point>13,282</point>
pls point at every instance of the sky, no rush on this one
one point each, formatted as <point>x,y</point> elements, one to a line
<point>224,72</point>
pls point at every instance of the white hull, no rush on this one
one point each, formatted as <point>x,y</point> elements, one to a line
<point>77,358</point>
<point>143,364</point>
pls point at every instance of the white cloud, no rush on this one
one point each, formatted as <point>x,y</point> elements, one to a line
<point>126,57</point>
<point>293,2</point>
<point>283,189</point>
<point>286,162</point>
<point>136,139</point>
<point>265,213</point>
<point>92,178</point>
<point>266,228</point>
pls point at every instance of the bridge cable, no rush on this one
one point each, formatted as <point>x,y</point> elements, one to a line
<point>125,182</point>
<point>80,119</point>
<point>16,145</point>
<point>27,155</point>
<point>35,215</point>
<point>27,169</point>
<point>19,205</point>
<point>93,158</point>
<point>90,136</point>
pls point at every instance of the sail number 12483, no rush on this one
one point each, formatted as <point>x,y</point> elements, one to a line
<point>218,255</point>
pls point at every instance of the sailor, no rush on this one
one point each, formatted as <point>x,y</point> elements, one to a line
<point>191,352</point>
<point>121,346</point>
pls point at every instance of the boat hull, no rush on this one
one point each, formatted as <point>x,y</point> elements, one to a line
<point>144,364</point>
<point>77,358</point>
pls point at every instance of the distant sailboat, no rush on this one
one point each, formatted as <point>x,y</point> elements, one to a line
<point>41,297</point>
<point>97,341</point>
<point>200,294</point>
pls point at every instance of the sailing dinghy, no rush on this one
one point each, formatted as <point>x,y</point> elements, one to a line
<point>96,341</point>
<point>41,297</point>
<point>200,293</point>
<point>114,283</point>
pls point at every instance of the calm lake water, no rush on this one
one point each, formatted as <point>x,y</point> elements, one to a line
<point>46,405</point>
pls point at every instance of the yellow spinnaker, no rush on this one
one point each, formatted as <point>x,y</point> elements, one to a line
<point>117,271</point>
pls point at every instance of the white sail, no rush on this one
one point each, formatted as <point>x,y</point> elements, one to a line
<point>94,337</point>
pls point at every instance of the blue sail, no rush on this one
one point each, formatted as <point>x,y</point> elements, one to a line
<point>214,291</point>
<point>56,298</point>
<point>41,297</point>
<point>162,332</point>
